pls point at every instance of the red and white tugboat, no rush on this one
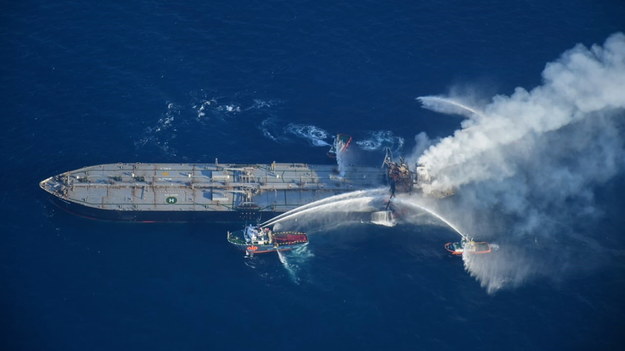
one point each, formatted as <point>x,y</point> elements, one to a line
<point>255,240</point>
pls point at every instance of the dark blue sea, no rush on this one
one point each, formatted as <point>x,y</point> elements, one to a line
<point>93,82</point>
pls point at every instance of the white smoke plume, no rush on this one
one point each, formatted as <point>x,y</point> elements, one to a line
<point>525,166</point>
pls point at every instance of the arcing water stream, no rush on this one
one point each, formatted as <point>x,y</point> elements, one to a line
<point>343,205</point>
<point>331,199</point>
<point>410,202</point>
<point>447,105</point>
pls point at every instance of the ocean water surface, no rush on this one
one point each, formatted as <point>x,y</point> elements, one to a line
<point>86,82</point>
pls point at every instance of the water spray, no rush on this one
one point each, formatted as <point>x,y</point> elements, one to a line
<point>334,198</point>
<point>447,105</point>
<point>323,207</point>
<point>431,212</point>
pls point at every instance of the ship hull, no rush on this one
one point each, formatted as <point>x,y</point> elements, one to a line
<point>161,216</point>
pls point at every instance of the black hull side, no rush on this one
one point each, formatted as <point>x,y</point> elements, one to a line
<point>242,216</point>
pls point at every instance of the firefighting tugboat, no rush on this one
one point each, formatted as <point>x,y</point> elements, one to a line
<point>255,240</point>
<point>468,246</point>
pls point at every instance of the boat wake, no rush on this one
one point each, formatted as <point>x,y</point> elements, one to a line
<point>293,261</point>
<point>289,268</point>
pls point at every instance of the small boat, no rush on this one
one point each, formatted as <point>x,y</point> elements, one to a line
<point>468,246</point>
<point>254,240</point>
<point>340,144</point>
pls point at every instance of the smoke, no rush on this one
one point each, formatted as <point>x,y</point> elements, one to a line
<point>525,166</point>
<point>422,143</point>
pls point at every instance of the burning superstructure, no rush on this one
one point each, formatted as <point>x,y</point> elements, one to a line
<point>402,180</point>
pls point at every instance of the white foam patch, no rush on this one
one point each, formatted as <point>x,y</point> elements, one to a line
<point>263,104</point>
<point>381,139</point>
<point>202,112</point>
<point>266,127</point>
<point>203,108</point>
<point>213,108</point>
<point>220,107</point>
<point>162,132</point>
<point>313,134</point>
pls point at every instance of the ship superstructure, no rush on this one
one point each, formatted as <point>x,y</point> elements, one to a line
<point>164,192</point>
<point>399,176</point>
<point>403,180</point>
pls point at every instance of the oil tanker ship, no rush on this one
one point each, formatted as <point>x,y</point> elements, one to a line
<point>163,192</point>
<point>217,192</point>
